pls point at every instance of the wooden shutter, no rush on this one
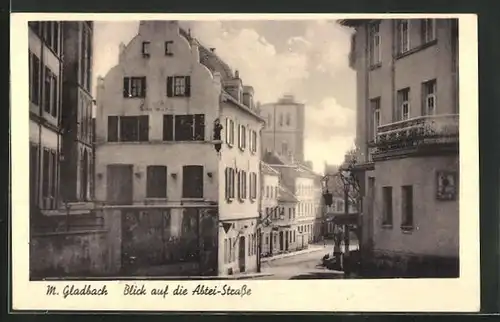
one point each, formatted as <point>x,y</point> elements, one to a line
<point>143,128</point>
<point>143,87</point>
<point>199,127</point>
<point>187,92</point>
<point>227,131</point>
<point>170,81</point>
<point>168,127</point>
<point>112,128</point>
<point>156,182</point>
<point>126,86</point>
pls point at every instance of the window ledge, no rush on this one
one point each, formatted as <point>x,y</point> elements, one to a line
<point>386,226</point>
<point>192,199</point>
<point>416,49</point>
<point>375,66</point>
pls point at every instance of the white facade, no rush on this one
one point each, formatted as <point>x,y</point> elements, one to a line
<point>306,209</point>
<point>159,78</point>
<point>270,193</point>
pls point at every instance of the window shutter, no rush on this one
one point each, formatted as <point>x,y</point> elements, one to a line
<point>126,86</point>
<point>227,131</point>
<point>169,86</point>
<point>112,128</point>
<point>144,87</point>
<point>199,127</point>
<point>168,127</point>
<point>187,92</point>
<point>144,128</point>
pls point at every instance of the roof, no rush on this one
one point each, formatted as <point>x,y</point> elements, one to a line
<point>228,98</point>
<point>273,159</point>
<point>286,195</point>
<point>266,169</point>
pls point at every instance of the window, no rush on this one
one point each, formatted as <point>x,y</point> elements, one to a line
<point>242,137</point>
<point>178,86</point>
<point>407,207</point>
<point>374,46</point>
<point>404,104</point>
<point>230,177</point>
<point>33,173</point>
<point>134,87</point>
<point>187,127</point>
<point>134,128</point>
<point>229,132</point>
<point>46,177</point>
<point>192,181</point>
<point>145,48</point>
<point>53,176</point>
<point>34,78</point>
<point>429,97</point>
<point>281,119</point>
<point>269,120</point>
<point>51,35</point>
<point>375,108</point>
<point>428,30</point>
<point>253,185</point>
<point>85,64</point>
<point>287,118</point>
<point>290,213</point>
<point>387,206</point>
<point>156,181</point>
<point>50,93</point>
<point>242,185</point>
<point>403,36</point>
<point>168,48</point>
<point>253,141</point>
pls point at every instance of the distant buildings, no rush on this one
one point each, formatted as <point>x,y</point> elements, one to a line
<point>177,147</point>
<point>284,130</point>
<point>407,136</point>
<point>269,208</point>
<point>299,201</point>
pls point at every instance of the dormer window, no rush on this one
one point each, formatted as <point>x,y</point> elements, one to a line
<point>145,49</point>
<point>168,48</point>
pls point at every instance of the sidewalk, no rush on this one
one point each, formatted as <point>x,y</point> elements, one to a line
<point>312,248</point>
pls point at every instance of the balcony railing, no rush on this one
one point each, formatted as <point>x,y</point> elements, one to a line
<point>416,132</point>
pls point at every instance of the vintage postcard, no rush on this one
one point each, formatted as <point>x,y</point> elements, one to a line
<point>245,162</point>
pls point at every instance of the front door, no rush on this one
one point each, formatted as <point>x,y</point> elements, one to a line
<point>281,241</point>
<point>119,187</point>
<point>287,239</point>
<point>241,257</point>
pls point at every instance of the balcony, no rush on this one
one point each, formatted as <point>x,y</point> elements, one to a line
<point>424,135</point>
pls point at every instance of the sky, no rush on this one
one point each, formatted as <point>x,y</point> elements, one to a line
<point>306,58</point>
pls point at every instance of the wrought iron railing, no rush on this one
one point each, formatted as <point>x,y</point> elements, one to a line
<point>416,131</point>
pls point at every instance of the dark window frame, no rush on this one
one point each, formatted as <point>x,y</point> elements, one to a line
<point>134,87</point>
<point>407,210</point>
<point>387,205</point>
<point>193,182</point>
<point>156,181</point>
<point>172,86</point>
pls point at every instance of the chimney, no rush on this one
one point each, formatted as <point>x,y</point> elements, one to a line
<point>237,74</point>
<point>212,49</point>
<point>234,87</point>
<point>248,96</point>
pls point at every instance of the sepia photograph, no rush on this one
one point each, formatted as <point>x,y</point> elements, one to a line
<point>240,150</point>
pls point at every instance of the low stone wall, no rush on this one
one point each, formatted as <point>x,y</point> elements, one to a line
<point>386,265</point>
<point>65,254</point>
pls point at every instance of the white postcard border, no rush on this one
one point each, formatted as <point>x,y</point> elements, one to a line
<point>395,295</point>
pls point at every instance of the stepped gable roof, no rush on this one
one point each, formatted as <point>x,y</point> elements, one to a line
<point>285,195</point>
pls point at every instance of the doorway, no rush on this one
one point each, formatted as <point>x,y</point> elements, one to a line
<point>287,239</point>
<point>119,187</point>
<point>281,241</point>
<point>241,253</point>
